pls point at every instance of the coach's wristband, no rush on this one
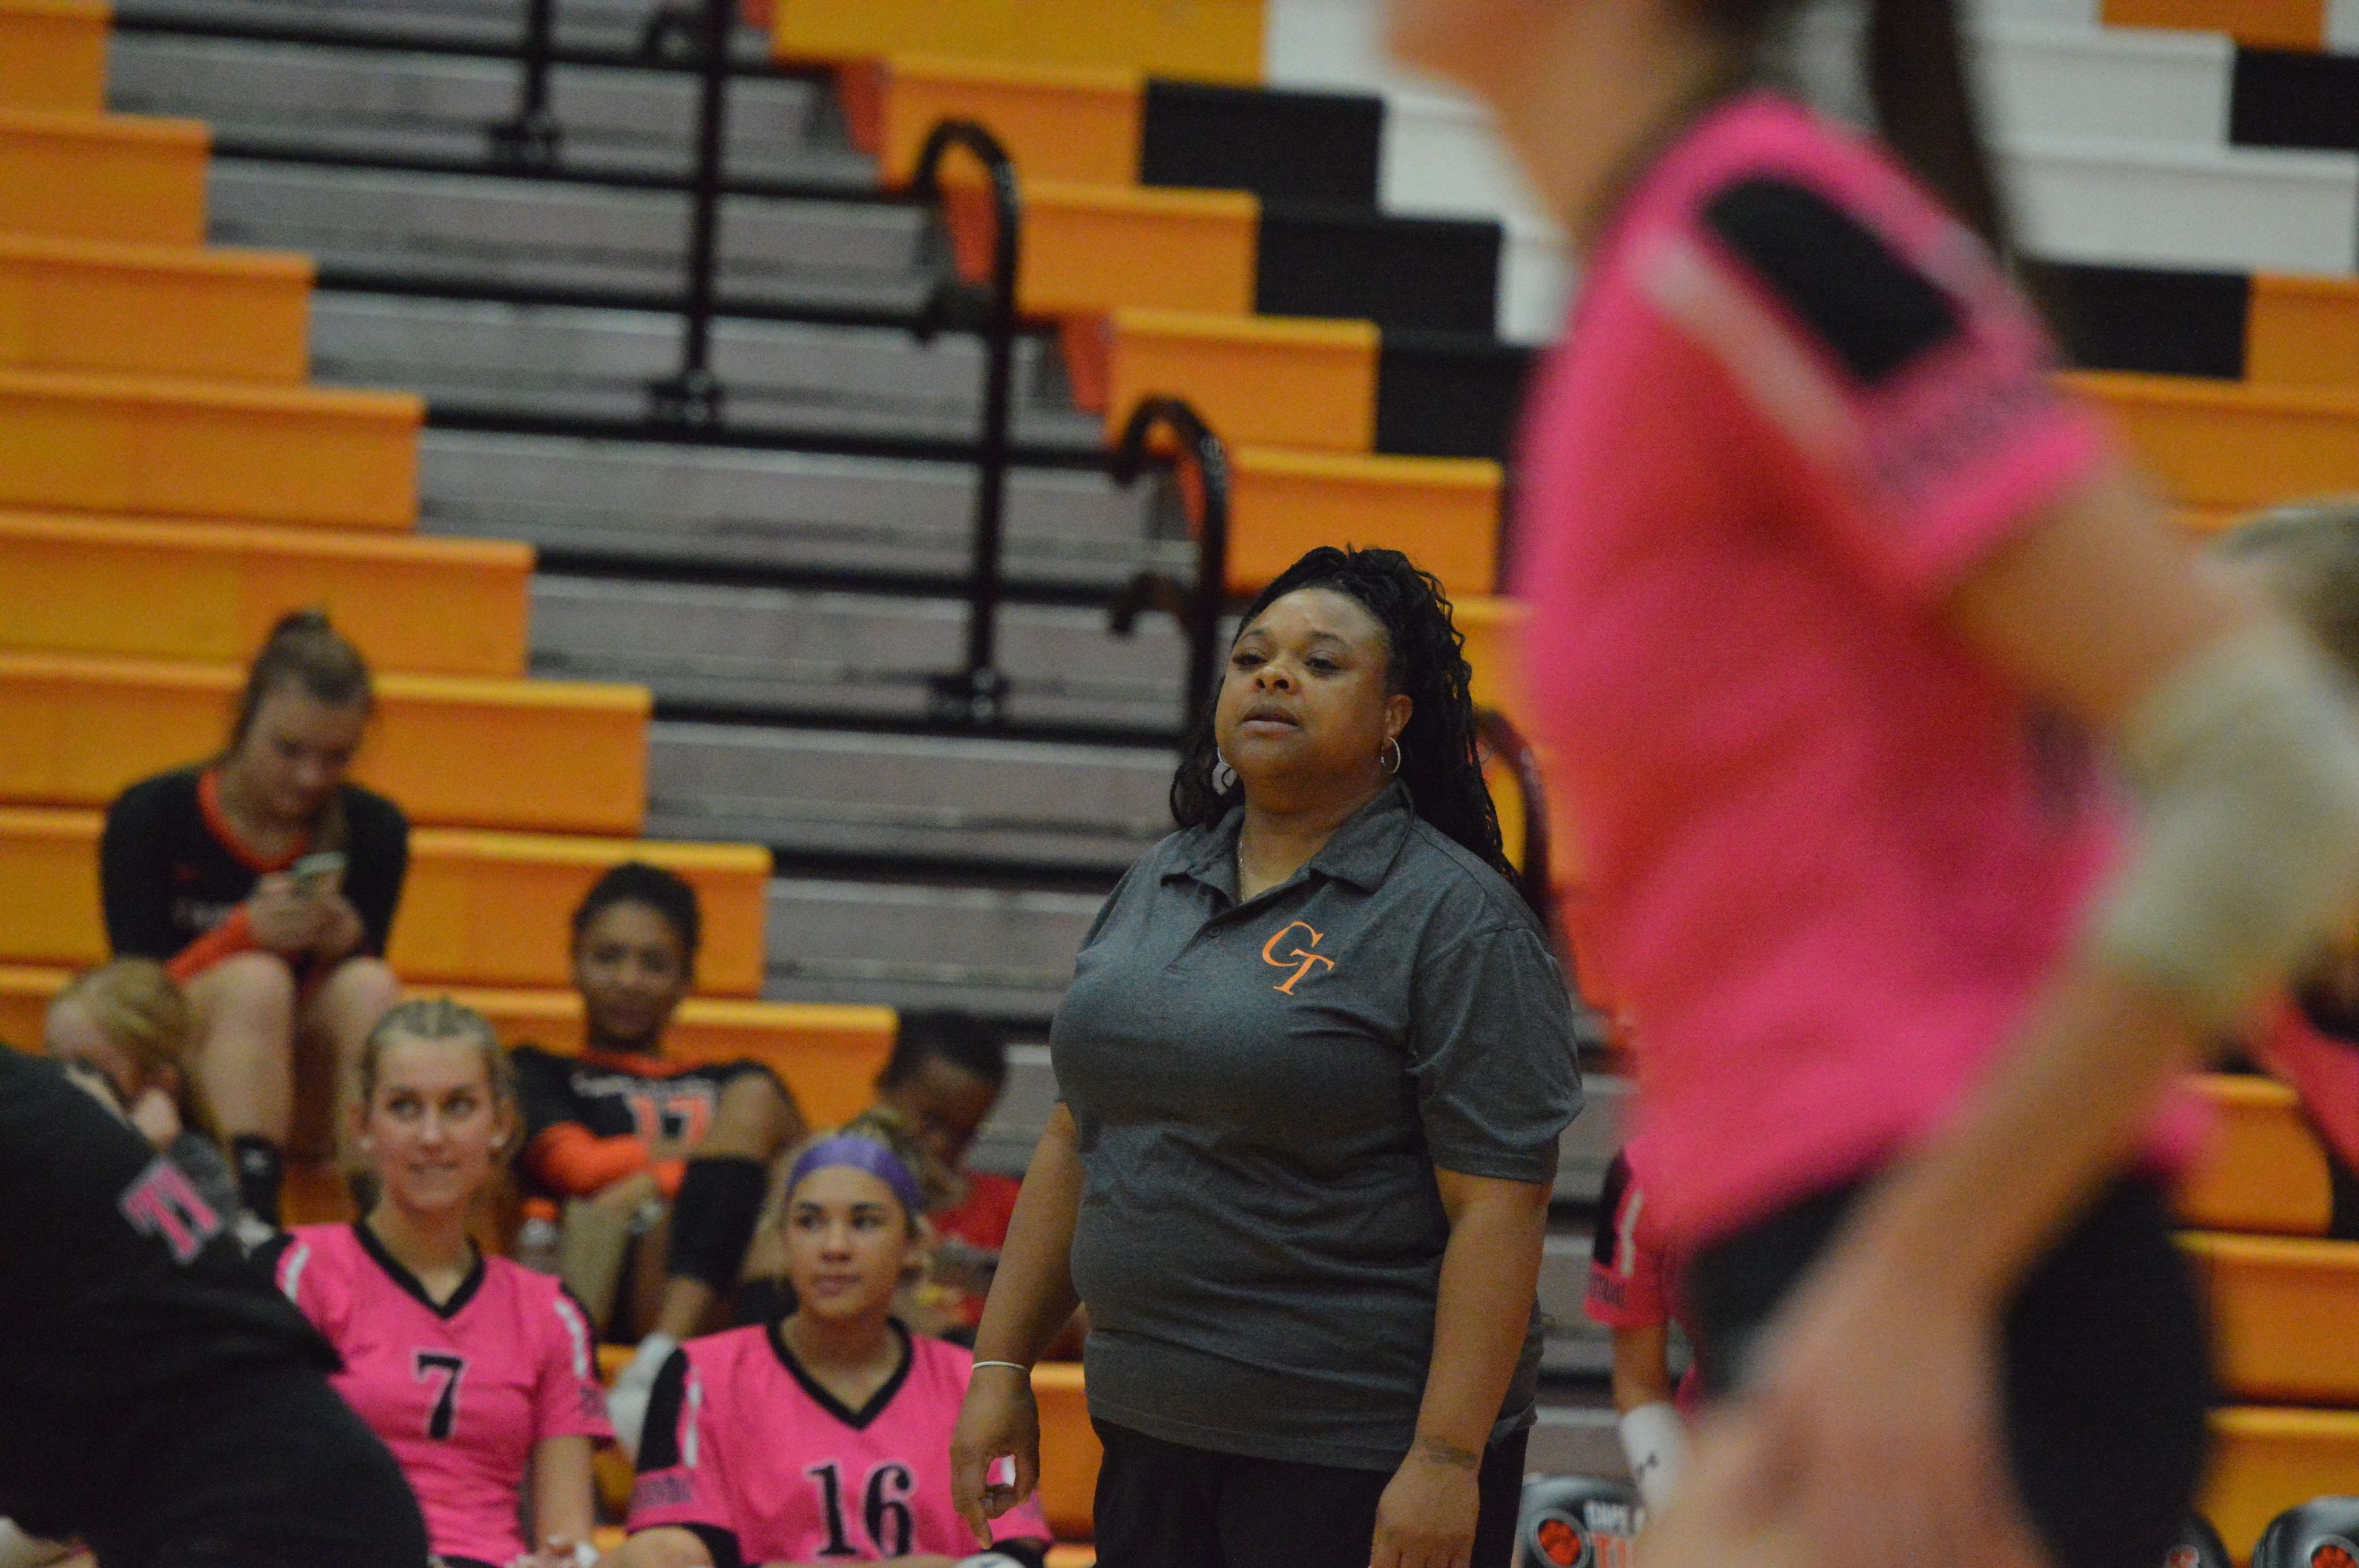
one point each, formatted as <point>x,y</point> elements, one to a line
<point>989,1560</point>
<point>1011,1366</point>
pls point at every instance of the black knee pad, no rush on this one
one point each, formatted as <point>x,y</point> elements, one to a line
<point>712,1219</point>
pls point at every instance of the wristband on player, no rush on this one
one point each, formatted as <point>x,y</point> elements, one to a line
<point>1655,1441</point>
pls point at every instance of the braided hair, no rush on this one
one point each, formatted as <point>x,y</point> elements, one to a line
<point>1426,661</point>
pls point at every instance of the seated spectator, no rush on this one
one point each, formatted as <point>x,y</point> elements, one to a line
<point>625,1130</point>
<point>943,1078</point>
<point>479,1375</point>
<point>823,1435</point>
<point>267,884</point>
<point>1632,1273</point>
<point>128,1023</point>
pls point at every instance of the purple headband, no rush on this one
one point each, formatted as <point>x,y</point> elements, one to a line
<point>860,1154</point>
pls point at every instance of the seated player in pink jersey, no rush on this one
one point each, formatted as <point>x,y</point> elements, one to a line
<point>1633,1273</point>
<point>479,1374</point>
<point>823,1436</point>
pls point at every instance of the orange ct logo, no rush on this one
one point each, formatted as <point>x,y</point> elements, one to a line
<point>1301,962</point>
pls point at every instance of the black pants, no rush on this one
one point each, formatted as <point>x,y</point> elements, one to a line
<point>1164,1504</point>
<point>2107,1369</point>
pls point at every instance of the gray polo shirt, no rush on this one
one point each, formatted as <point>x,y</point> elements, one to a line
<point>1263,1092</point>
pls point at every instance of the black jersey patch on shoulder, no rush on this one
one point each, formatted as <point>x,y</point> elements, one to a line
<point>1873,311</point>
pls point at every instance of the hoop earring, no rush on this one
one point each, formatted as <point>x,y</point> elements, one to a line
<point>1394,746</point>
<point>1221,766</point>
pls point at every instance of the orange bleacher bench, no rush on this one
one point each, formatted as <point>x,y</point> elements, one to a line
<point>2303,331</point>
<point>2267,1460</point>
<point>1090,249</point>
<point>2263,1170</point>
<point>2257,24</point>
<point>53,55</point>
<point>103,176</point>
<point>1442,511</point>
<point>240,452</point>
<point>1204,40</point>
<point>556,756</point>
<point>2224,446</point>
<point>485,909</point>
<point>828,1055</point>
<point>165,310</point>
<point>1058,123</point>
<point>2283,1309</point>
<point>1259,381</point>
<point>209,593</point>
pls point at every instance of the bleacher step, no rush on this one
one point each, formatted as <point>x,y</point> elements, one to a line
<point>781,510</point>
<point>862,655</point>
<point>575,363</point>
<point>1003,951</point>
<point>101,176</point>
<point>152,310</point>
<point>611,27</point>
<point>209,593</point>
<point>465,231</point>
<point>477,908</point>
<point>83,730</point>
<point>931,797</point>
<point>355,103</point>
<point>53,55</point>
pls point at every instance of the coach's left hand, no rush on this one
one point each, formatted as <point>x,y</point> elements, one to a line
<point>1427,1516</point>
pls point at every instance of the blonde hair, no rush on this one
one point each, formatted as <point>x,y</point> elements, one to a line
<point>437,1018</point>
<point>2308,553</point>
<point>136,1005</point>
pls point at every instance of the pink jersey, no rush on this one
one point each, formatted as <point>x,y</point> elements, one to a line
<point>740,1440</point>
<point>459,1393</point>
<point>1832,852</point>
<point>1633,1268</point>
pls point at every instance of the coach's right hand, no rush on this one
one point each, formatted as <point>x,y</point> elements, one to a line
<point>999,1421</point>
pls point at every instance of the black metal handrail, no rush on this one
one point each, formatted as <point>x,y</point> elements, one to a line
<point>978,693</point>
<point>695,395</point>
<point>529,139</point>
<point>1198,608</point>
<point>1499,736</point>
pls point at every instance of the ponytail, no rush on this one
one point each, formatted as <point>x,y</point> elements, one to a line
<point>1925,108</point>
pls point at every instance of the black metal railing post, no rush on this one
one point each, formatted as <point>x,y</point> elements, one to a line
<point>1198,608</point>
<point>530,139</point>
<point>695,395</point>
<point>978,693</point>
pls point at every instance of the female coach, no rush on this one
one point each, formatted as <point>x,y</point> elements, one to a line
<point>1833,588</point>
<point>1315,1060</point>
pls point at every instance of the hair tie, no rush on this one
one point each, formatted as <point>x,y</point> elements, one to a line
<point>859,1154</point>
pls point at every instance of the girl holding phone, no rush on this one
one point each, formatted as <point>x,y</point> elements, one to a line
<point>266,882</point>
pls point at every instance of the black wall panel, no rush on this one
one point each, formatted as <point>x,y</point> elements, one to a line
<point>1419,275</point>
<point>1282,146</point>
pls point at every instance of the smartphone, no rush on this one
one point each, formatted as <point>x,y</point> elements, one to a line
<point>317,875</point>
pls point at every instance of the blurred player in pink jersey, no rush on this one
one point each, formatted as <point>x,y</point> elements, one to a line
<point>1849,626</point>
<point>823,1436</point>
<point>476,1372</point>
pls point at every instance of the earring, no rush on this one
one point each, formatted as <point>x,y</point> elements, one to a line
<point>1220,767</point>
<point>1393,745</point>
